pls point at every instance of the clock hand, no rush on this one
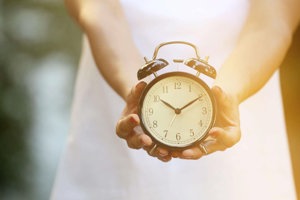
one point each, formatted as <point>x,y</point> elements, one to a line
<point>172,120</point>
<point>167,104</point>
<point>190,103</point>
<point>177,110</point>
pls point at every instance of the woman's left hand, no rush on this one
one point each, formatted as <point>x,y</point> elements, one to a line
<point>226,131</point>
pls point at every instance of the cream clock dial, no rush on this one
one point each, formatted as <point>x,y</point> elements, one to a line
<point>177,110</point>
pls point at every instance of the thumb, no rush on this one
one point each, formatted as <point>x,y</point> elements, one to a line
<point>227,107</point>
<point>136,93</point>
<point>133,98</point>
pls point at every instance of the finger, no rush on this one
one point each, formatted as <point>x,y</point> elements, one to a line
<point>221,96</point>
<point>166,158</point>
<point>136,92</point>
<point>218,92</point>
<point>151,150</point>
<point>220,139</point>
<point>192,153</point>
<point>227,137</point>
<point>163,154</point>
<point>159,152</point>
<point>212,146</point>
<point>133,99</point>
<point>125,125</point>
<point>175,154</point>
<point>227,108</point>
<point>203,149</point>
<point>138,139</point>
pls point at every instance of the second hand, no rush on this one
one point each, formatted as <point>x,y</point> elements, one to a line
<point>172,120</point>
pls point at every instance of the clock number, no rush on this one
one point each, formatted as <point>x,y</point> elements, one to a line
<point>201,123</point>
<point>192,133</point>
<point>154,124</point>
<point>177,85</point>
<point>165,89</point>
<point>190,88</point>
<point>204,110</point>
<point>166,133</point>
<point>178,136</point>
<point>150,111</point>
<point>156,98</point>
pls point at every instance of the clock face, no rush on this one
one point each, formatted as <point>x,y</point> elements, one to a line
<point>177,109</point>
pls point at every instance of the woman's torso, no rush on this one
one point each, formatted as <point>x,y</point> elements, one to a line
<point>97,164</point>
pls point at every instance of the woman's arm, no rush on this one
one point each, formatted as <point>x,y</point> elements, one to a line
<point>117,58</point>
<point>261,48</point>
<point>114,52</point>
<point>259,52</point>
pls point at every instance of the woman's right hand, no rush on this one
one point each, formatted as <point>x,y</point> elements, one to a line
<point>129,129</point>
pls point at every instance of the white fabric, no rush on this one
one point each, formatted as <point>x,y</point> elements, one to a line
<point>99,165</point>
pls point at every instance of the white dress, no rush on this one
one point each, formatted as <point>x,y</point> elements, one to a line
<point>98,165</point>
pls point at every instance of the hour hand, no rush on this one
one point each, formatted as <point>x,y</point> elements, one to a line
<point>167,104</point>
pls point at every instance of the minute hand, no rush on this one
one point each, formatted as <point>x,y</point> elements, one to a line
<point>188,104</point>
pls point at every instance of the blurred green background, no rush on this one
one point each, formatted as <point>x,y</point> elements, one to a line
<point>39,51</point>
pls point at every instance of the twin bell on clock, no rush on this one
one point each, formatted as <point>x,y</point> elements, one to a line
<point>156,64</point>
<point>177,109</point>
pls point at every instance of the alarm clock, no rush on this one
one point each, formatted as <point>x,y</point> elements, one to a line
<point>177,109</point>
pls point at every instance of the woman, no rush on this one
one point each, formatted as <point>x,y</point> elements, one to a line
<point>246,40</point>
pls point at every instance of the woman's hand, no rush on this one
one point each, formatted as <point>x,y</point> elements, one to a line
<point>128,127</point>
<point>223,135</point>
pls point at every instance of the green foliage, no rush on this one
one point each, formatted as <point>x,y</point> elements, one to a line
<point>30,31</point>
<point>15,115</point>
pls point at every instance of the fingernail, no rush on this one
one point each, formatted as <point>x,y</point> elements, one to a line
<point>213,132</point>
<point>218,89</point>
<point>175,155</point>
<point>165,159</point>
<point>133,121</point>
<point>139,86</point>
<point>163,152</point>
<point>144,142</point>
